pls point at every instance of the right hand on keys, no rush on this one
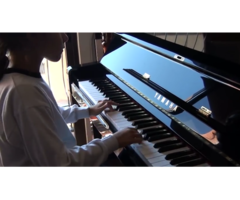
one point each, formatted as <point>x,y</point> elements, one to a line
<point>128,136</point>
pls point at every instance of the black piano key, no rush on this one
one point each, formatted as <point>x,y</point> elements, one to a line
<point>136,117</point>
<point>151,129</point>
<point>158,137</point>
<point>100,81</point>
<point>178,154</point>
<point>156,132</point>
<point>112,92</point>
<point>171,147</point>
<point>109,91</point>
<point>136,123</point>
<point>127,103</point>
<point>165,143</point>
<point>116,98</point>
<point>183,159</point>
<point>195,162</point>
<point>122,101</point>
<point>125,113</point>
<point>134,113</point>
<point>145,125</point>
<point>128,107</point>
<point>104,85</point>
<point>105,90</point>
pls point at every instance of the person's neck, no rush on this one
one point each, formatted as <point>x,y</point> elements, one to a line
<point>26,62</point>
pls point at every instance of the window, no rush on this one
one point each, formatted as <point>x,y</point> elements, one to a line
<point>55,75</point>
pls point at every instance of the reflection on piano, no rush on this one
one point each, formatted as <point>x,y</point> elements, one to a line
<point>176,98</point>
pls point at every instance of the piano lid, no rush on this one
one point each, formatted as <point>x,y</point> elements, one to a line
<point>182,87</point>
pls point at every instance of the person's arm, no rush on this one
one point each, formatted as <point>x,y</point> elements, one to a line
<point>44,147</point>
<point>74,113</point>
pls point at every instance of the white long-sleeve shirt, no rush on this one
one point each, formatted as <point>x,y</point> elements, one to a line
<point>33,130</point>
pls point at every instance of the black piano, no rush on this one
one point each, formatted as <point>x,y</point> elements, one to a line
<point>184,103</point>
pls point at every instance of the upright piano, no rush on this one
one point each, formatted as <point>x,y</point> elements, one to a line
<point>184,103</point>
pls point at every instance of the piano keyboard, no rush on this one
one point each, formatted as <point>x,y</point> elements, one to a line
<point>160,147</point>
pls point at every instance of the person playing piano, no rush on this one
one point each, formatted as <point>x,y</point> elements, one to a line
<point>33,129</point>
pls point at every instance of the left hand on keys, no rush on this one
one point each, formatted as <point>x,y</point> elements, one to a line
<point>101,106</point>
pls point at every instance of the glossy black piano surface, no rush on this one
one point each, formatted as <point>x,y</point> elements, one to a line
<point>175,92</point>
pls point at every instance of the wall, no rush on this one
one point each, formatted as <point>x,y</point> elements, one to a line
<point>86,48</point>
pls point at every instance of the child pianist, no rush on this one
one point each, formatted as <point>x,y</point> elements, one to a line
<point>33,129</point>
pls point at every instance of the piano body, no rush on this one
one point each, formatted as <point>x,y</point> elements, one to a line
<point>173,95</point>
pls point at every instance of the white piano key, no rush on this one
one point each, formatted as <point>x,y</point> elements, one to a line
<point>121,120</point>
<point>148,151</point>
<point>92,91</point>
<point>161,163</point>
<point>153,155</point>
<point>115,114</point>
<point>156,159</point>
<point>149,156</point>
<point>125,126</point>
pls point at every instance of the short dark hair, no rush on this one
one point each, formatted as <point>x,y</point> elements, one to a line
<point>9,41</point>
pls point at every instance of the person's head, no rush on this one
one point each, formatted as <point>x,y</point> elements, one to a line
<point>30,46</point>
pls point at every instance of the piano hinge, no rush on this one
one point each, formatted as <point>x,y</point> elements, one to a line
<point>206,112</point>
